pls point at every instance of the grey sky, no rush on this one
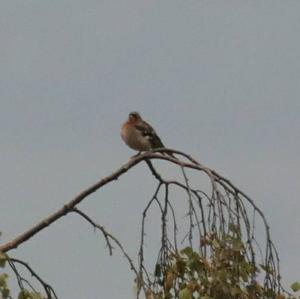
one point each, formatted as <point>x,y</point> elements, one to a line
<point>217,79</point>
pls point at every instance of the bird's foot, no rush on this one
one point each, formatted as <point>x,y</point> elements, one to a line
<point>134,156</point>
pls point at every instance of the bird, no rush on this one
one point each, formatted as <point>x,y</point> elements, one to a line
<point>139,135</point>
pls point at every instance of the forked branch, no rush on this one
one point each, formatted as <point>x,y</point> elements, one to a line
<point>211,212</point>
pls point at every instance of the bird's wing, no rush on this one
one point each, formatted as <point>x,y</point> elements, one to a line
<point>148,132</point>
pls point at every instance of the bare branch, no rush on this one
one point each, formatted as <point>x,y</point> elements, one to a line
<point>108,237</point>
<point>68,207</point>
<point>47,288</point>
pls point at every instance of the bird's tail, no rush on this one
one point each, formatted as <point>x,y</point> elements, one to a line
<point>157,144</point>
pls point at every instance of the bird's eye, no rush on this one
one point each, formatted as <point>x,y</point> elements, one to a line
<point>133,115</point>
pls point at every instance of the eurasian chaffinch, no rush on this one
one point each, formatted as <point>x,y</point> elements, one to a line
<point>139,135</point>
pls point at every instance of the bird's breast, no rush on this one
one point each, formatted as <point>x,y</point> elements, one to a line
<point>134,139</point>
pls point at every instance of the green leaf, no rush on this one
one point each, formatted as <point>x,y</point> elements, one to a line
<point>37,296</point>
<point>188,251</point>
<point>237,245</point>
<point>233,227</point>
<point>215,244</point>
<point>3,259</point>
<point>269,293</point>
<point>24,294</point>
<point>181,266</point>
<point>295,286</point>
<point>5,293</point>
<point>235,291</point>
<point>185,294</point>
<point>157,271</point>
<point>267,268</point>
<point>195,265</point>
<point>3,280</point>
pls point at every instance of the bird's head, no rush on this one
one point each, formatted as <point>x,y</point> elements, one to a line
<point>134,116</point>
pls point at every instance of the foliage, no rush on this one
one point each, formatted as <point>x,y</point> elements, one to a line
<point>226,274</point>
<point>3,258</point>
<point>26,294</point>
<point>23,294</point>
<point>295,286</point>
<point>4,288</point>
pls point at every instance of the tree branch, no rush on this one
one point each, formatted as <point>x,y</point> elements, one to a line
<point>69,207</point>
<point>210,215</point>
